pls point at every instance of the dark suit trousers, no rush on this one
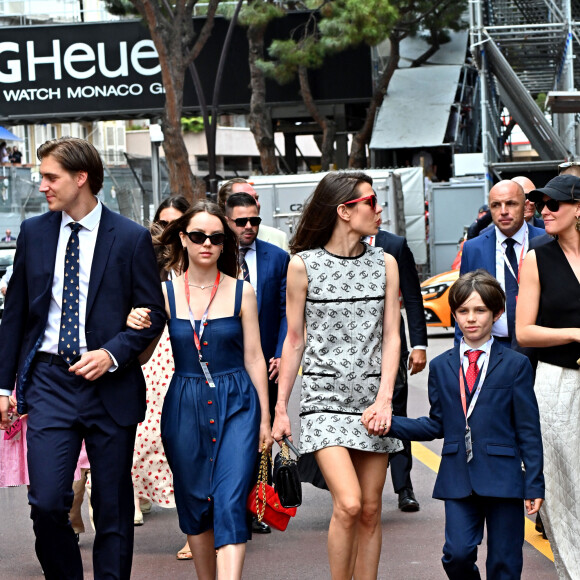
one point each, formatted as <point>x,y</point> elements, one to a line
<point>402,462</point>
<point>464,521</point>
<point>63,410</point>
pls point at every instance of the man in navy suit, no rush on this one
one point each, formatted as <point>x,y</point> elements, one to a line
<point>500,250</point>
<point>483,405</point>
<point>401,463</point>
<point>265,266</point>
<point>78,271</point>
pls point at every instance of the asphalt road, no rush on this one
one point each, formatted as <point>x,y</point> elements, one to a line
<point>411,542</point>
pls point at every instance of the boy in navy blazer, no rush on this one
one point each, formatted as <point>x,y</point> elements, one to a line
<point>487,413</point>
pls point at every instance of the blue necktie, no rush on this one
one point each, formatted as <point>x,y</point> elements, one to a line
<point>511,286</point>
<point>68,342</point>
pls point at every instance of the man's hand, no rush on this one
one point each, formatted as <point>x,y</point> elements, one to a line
<point>417,360</point>
<point>4,406</point>
<point>274,369</point>
<point>93,364</point>
<point>3,290</point>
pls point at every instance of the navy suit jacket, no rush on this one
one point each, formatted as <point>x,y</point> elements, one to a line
<point>480,253</point>
<point>272,269</point>
<point>124,274</point>
<point>505,429</point>
<point>410,288</point>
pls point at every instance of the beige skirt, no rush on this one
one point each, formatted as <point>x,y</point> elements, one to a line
<point>558,392</point>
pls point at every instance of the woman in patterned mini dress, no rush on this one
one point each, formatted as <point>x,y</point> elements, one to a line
<point>346,294</point>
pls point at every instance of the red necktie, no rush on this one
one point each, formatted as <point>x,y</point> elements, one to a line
<point>472,369</point>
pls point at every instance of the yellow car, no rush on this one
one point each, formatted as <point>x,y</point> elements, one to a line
<point>435,292</point>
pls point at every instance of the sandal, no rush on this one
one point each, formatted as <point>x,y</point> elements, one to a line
<point>184,554</point>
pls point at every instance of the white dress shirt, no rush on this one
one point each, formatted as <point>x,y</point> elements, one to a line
<point>87,241</point>
<point>521,238</point>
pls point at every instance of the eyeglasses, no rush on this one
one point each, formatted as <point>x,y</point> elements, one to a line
<point>553,205</point>
<point>372,199</point>
<point>162,223</point>
<point>200,238</point>
<point>241,222</point>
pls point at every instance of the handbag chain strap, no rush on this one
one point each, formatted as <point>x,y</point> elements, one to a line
<point>285,453</point>
<point>262,481</point>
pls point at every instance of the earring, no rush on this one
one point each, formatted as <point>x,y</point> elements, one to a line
<point>578,223</point>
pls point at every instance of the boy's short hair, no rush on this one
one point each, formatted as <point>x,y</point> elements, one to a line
<point>482,282</point>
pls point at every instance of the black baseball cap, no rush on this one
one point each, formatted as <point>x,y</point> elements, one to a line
<point>484,207</point>
<point>563,188</point>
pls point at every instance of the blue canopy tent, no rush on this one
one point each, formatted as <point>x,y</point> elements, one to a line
<point>6,135</point>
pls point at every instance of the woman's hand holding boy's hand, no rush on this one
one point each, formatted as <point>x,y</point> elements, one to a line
<point>533,505</point>
<point>377,418</point>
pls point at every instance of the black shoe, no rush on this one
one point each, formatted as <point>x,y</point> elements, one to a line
<point>260,527</point>
<point>407,501</point>
<point>540,526</point>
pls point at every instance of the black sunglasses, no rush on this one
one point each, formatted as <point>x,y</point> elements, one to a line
<point>254,221</point>
<point>200,238</point>
<point>372,199</point>
<point>163,223</point>
<point>553,205</point>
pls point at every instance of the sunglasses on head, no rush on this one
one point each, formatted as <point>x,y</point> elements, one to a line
<point>254,221</point>
<point>200,238</point>
<point>371,198</point>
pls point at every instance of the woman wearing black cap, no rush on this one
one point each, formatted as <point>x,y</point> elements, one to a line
<point>550,288</point>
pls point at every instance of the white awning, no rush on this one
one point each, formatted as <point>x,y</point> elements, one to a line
<point>416,108</point>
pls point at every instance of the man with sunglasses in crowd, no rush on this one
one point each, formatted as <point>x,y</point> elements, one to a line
<point>266,233</point>
<point>264,266</point>
<point>500,250</point>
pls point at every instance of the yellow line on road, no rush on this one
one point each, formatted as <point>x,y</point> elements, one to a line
<point>432,461</point>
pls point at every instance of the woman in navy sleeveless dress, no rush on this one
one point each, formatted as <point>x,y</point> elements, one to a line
<point>211,433</point>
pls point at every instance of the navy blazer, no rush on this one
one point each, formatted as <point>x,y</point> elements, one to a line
<point>272,268</point>
<point>480,253</point>
<point>124,274</point>
<point>410,288</point>
<point>505,428</point>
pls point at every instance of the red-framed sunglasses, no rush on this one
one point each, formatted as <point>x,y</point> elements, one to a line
<point>371,198</point>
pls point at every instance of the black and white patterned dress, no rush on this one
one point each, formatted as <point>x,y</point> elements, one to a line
<point>342,361</point>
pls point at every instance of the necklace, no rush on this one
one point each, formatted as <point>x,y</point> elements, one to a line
<point>207,285</point>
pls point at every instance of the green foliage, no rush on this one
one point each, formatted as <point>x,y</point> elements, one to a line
<point>135,128</point>
<point>347,23</point>
<point>334,26</point>
<point>260,13</point>
<point>192,124</point>
<point>541,100</point>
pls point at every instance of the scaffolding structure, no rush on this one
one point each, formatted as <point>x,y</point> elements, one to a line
<point>537,40</point>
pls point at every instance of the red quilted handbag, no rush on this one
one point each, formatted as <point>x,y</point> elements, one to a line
<point>264,502</point>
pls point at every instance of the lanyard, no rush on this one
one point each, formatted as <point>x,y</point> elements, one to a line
<point>203,324</point>
<point>467,412</point>
<point>507,262</point>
